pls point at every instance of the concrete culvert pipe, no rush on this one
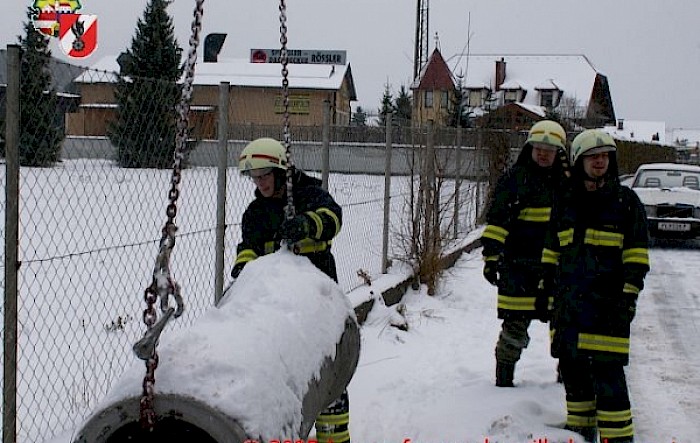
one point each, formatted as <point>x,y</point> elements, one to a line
<point>262,366</point>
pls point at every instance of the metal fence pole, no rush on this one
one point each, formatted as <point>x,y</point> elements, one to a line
<point>429,190</point>
<point>325,155</point>
<point>458,180</point>
<point>387,194</point>
<point>221,192</point>
<point>9,392</point>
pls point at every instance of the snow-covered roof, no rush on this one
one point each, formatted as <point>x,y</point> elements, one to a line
<point>638,130</point>
<point>575,75</point>
<point>683,137</point>
<point>535,109</point>
<point>240,72</point>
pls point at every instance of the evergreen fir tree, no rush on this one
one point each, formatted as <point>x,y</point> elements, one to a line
<point>359,118</point>
<point>387,106</point>
<point>404,108</point>
<point>459,115</point>
<point>147,93</point>
<point>40,135</point>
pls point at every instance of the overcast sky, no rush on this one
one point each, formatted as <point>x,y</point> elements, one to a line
<point>649,50</point>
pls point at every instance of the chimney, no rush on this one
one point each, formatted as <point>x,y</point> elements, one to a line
<point>125,61</point>
<point>500,73</point>
<point>620,124</point>
<point>212,46</point>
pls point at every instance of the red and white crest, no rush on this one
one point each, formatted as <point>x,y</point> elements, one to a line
<point>78,34</point>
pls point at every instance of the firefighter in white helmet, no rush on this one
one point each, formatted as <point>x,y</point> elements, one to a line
<point>264,226</point>
<point>517,222</point>
<point>598,247</point>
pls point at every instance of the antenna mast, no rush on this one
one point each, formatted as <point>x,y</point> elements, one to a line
<point>420,54</point>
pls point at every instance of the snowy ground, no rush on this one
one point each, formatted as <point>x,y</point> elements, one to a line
<point>434,382</point>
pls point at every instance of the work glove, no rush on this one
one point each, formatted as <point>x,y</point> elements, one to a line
<point>294,229</point>
<point>544,292</point>
<point>627,308</point>
<point>492,266</point>
<point>237,269</point>
<point>542,295</point>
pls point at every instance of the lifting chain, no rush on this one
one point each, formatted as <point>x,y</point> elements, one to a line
<point>284,59</point>
<point>163,284</point>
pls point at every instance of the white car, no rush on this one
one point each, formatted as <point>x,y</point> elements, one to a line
<point>670,193</point>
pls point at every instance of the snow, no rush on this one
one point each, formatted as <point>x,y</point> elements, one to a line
<point>572,73</point>
<point>434,381</point>
<point>296,321</point>
<point>241,72</point>
<point>638,130</point>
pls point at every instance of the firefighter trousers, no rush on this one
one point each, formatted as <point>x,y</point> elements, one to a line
<point>512,339</point>
<point>597,396</point>
<point>332,425</point>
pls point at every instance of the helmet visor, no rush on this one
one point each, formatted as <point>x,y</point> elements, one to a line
<point>257,173</point>
<point>545,146</point>
<point>599,150</point>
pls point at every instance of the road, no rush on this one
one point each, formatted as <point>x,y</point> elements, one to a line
<point>665,350</point>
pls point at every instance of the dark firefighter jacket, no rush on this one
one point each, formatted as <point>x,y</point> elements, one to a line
<point>263,217</point>
<point>599,241</point>
<point>517,222</point>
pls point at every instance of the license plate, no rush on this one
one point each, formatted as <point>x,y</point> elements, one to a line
<point>673,226</point>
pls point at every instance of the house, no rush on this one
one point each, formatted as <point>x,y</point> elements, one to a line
<point>567,85</point>
<point>434,92</point>
<point>255,95</point>
<point>62,75</point>
<point>638,130</point>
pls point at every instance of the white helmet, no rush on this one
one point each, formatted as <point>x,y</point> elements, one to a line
<point>591,141</point>
<point>262,153</point>
<point>547,132</point>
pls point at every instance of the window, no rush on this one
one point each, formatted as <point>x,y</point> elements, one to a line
<point>475,98</point>
<point>547,98</point>
<point>511,96</point>
<point>445,100</point>
<point>428,99</point>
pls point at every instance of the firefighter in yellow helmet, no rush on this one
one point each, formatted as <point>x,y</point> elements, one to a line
<point>317,221</point>
<point>598,247</point>
<point>517,222</point>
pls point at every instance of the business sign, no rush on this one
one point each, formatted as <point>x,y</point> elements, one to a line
<point>298,104</point>
<point>299,56</point>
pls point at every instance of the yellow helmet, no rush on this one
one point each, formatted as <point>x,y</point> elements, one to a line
<point>262,153</point>
<point>547,132</point>
<point>591,141</point>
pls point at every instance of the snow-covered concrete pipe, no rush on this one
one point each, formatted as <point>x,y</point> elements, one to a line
<point>280,347</point>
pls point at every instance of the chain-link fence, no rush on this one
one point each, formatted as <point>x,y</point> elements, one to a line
<point>83,218</point>
<point>89,212</point>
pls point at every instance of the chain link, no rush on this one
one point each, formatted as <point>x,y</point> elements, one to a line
<point>284,59</point>
<point>163,285</point>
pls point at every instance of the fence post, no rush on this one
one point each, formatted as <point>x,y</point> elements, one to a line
<point>387,194</point>
<point>481,160</point>
<point>9,392</point>
<point>458,180</point>
<point>429,191</point>
<point>325,155</point>
<point>221,192</point>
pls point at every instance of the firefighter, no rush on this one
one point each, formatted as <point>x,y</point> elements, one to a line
<point>598,246</point>
<point>517,221</point>
<point>317,221</point>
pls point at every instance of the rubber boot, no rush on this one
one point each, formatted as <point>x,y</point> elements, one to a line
<point>589,433</point>
<point>504,374</point>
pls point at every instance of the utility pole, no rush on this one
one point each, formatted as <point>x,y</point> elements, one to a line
<point>420,54</point>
